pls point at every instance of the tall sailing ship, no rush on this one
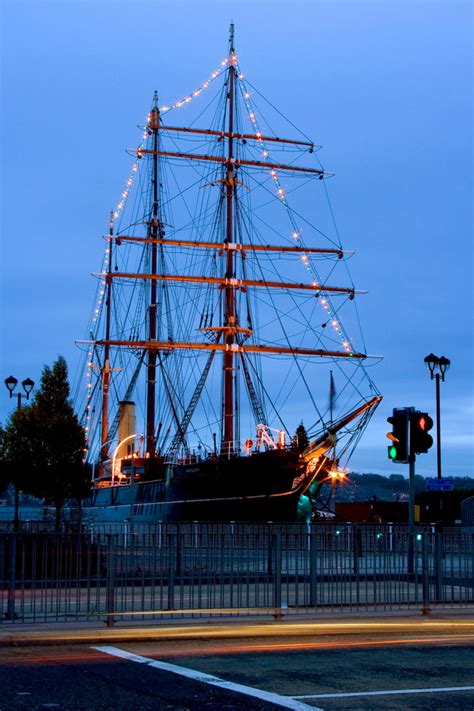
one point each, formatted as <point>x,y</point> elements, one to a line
<point>217,325</point>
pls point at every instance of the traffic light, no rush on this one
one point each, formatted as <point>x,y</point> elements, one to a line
<point>420,440</point>
<point>398,450</point>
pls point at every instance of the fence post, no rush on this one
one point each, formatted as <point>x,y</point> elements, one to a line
<point>425,575</point>
<point>110,589</point>
<point>11,573</point>
<point>472,565</point>
<point>276,545</point>
<point>270,551</point>
<point>411,552</point>
<point>438,562</point>
<point>356,546</point>
<point>178,552</point>
<point>313,572</point>
<point>172,553</point>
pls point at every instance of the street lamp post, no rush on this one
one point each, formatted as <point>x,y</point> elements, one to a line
<point>437,368</point>
<point>28,385</point>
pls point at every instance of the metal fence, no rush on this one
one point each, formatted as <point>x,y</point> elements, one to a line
<point>164,571</point>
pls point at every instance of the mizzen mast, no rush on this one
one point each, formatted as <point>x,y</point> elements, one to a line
<point>229,311</point>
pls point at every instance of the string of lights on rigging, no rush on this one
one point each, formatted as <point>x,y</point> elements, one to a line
<point>116,213</point>
<point>296,233</point>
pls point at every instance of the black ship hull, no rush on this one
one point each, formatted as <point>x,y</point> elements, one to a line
<point>263,487</point>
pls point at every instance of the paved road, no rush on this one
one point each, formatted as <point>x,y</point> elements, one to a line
<point>81,679</point>
<point>306,671</point>
<point>364,667</point>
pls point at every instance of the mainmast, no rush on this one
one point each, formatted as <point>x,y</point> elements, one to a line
<point>230,323</point>
<point>153,123</point>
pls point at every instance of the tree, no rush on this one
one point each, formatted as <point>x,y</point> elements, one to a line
<point>46,443</point>
<point>4,473</point>
<point>17,454</point>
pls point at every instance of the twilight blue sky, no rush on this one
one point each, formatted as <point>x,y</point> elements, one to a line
<point>384,86</point>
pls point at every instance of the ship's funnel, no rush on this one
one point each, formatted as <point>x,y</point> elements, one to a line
<point>126,428</point>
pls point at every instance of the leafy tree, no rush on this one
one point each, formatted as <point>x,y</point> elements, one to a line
<point>4,473</point>
<point>46,443</point>
<point>17,453</point>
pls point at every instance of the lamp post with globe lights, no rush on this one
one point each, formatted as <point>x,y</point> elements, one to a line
<point>11,382</point>
<point>437,368</point>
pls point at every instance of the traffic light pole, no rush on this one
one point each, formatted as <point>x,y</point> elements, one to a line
<point>411,512</point>
<point>410,437</point>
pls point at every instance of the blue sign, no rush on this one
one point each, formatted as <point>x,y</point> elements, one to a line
<point>439,484</point>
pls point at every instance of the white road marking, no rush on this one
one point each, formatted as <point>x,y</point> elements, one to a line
<point>285,701</point>
<point>392,692</point>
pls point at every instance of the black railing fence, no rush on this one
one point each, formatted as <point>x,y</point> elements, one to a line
<point>135,572</point>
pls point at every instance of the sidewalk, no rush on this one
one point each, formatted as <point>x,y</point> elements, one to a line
<point>440,622</point>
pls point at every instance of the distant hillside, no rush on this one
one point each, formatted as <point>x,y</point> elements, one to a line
<point>363,487</point>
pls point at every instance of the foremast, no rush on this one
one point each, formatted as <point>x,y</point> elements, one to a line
<point>104,451</point>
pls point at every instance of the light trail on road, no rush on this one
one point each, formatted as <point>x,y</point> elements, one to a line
<point>187,648</point>
<point>311,645</point>
<point>232,630</point>
<point>48,659</point>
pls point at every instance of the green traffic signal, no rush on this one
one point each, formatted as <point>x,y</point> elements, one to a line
<point>392,452</point>
<point>398,451</point>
